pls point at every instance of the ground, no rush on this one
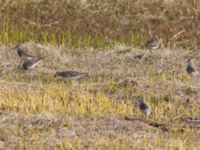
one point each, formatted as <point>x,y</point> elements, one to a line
<point>39,111</point>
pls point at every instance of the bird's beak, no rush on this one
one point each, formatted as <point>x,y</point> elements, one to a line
<point>16,46</point>
<point>41,58</point>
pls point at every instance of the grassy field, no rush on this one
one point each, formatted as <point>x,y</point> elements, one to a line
<point>83,23</point>
<point>39,111</point>
<point>103,38</point>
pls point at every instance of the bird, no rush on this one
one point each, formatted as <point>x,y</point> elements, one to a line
<point>31,64</point>
<point>74,75</point>
<point>144,106</point>
<point>191,69</point>
<point>23,54</point>
<point>152,44</point>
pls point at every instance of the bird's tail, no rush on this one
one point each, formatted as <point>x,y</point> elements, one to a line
<point>84,74</point>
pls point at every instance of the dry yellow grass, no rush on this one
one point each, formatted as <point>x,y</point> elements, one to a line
<point>39,111</point>
<point>84,23</point>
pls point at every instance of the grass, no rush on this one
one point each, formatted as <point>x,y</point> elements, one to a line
<point>100,24</point>
<point>39,111</point>
<point>56,101</point>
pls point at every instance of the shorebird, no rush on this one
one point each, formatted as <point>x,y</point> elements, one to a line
<point>23,54</point>
<point>74,75</point>
<point>144,106</point>
<point>191,69</point>
<point>31,64</point>
<point>152,44</point>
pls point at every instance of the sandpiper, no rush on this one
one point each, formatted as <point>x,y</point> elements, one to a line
<point>74,75</point>
<point>144,106</point>
<point>152,44</point>
<point>191,69</point>
<point>23,54</point>
<point>31,64</point>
